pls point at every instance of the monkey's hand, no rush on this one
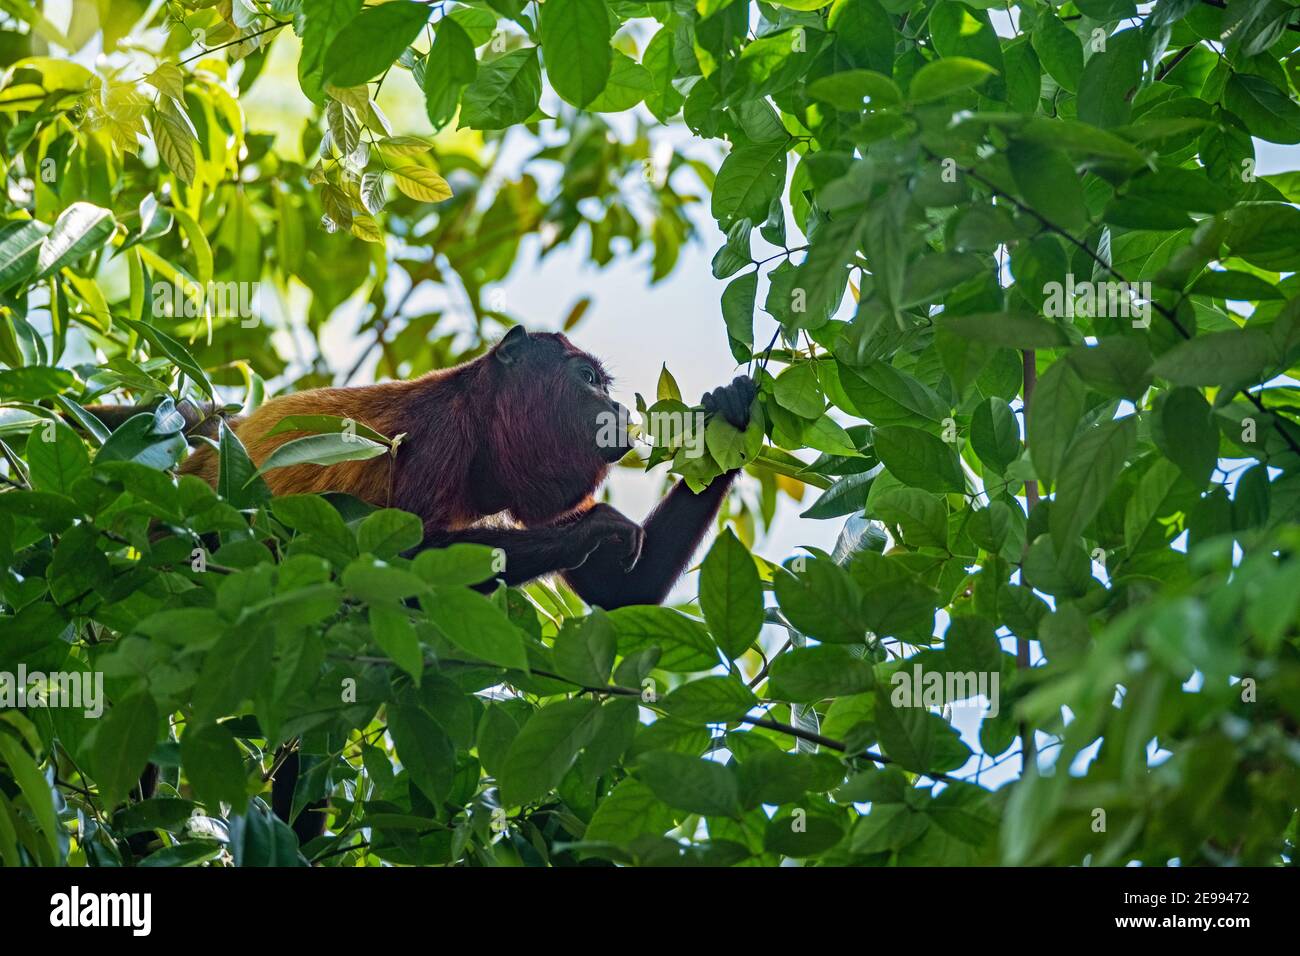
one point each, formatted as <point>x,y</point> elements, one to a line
<point>732,401</point>
<point>613,534</point>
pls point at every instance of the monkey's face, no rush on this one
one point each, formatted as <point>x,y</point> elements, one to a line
<point>589,386</point>
<point>568,389</point>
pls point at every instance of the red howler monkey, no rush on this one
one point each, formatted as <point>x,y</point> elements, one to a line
<point>521,431</point>
<point>518,432</point>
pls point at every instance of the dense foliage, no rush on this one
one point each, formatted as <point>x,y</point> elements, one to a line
<point>1031,271</point>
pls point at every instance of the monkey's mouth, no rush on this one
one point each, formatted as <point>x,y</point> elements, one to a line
<point>615,452</point>
<point>615,433</point>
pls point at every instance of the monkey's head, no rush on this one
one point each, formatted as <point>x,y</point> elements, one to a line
<point>560,423</point>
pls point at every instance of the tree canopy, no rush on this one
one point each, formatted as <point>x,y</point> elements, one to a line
<point>1034,332</point>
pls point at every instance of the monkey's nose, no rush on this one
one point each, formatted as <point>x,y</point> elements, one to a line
<point>613,438</point>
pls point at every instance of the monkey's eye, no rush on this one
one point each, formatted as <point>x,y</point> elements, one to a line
<point>588,374</point>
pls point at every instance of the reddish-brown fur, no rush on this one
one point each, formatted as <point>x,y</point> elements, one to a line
<point>480,438</point>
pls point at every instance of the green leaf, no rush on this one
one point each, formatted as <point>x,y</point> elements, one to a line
<point>1238,355</point>
<point>922,517</point>
<point>1048,183</point>
<point>826,434</point>
<point>389,532</point>
<point>174,136</point>
<point>821,278</point>
<point>138,440</point>
<point>889,826</point>
<point>1054,413</point>
<point>1149,502</point>
<point>314,517</point>
<point>459,564</point>
<point>477,626</point>
<point>845,496</point>
<point>575,41</point>
<point>426,752</point>
<point>257,838</point>
<point>1110,80</point>
<point>748,180</point>
<point>327,449</point>
<point>371,41</point>
<point>545,749</point>
<point>584,652</point>
<point>237,479</point>
<point>57,458</point>
<point>123,741</point>
<point>449,68</point>
<point>797,389</point>
<point>237,667</point>
<point>38,794</point>
<point>684,642</point>
<point>667,388</point>
<point>804,836</point>
<point>1232,284</point>
<point>1184,431</point>
<point>505,92</point>
<point>810,674</point>
<point>1005,330</point>
<point>421,184</point>
<point>1091,466</point>
<point>731,595</point>
<point>322,21</point>
<point>919,459</point>
<point>631,810</point>
<point>80,229</point>
<point>715,699</point>
<point>849,90</point>
<point>325,424</point>
<point>919,740</point>
<point>214,766</point>
<point>173,350</point>
<point>663,100</point>
<point>1058,49</point>
<point>689,783</point>
<point>947,75</point>
<point>995,434</point>
<point>1269,113</point>
<point>396,637</point>
<point>821,600</point>
<point>20,249</point>
<point>885,395</point>
<point>376,583</point>
<point>864,34</point>
<point>1118,365</point>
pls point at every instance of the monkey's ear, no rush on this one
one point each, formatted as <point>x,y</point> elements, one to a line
<point>508,350</point>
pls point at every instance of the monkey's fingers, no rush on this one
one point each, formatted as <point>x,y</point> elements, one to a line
<point>732,401</point>
<point>634,541</point>
<point>735,401</point>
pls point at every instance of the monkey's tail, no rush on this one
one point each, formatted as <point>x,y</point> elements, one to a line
<point>201,418</point>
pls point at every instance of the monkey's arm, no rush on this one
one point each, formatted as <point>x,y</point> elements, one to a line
<point>673,530</point>
<point>533,552</point>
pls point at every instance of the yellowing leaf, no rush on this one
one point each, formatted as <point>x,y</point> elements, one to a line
<point>174,137</point>
<point>404,145</point>
<point>168,79</point>
<point>364,227</point>
<point>421,184</point>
